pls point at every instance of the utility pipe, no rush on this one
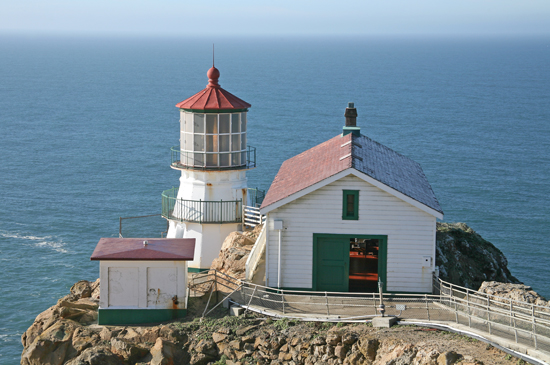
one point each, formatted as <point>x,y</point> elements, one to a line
<point>279,260</point>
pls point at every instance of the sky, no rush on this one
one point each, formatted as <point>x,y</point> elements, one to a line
<point>276,18</point>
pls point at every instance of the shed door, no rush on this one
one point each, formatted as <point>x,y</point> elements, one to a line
<point>331,264</point>
<point>161,287</point>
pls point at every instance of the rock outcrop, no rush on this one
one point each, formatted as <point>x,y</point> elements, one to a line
<point>466,259</point>
<point>518,292</point>
<point>234,252</point>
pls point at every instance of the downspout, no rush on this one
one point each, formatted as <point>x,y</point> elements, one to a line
<point>279,258</point>
<point>266,250</point>
<point>278,225</point>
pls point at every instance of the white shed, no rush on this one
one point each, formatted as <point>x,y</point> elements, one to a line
<point>347,213</point>
<point>143,280</point>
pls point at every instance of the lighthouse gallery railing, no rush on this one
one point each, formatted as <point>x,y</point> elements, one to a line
<point>200,211</point>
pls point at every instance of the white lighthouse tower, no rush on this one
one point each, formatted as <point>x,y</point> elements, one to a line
<point>213,158</point>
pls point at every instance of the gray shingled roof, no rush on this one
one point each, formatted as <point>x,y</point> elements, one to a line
<point>394,170</point>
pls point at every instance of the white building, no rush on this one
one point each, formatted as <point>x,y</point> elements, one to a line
<point>213,158</point>
<point>143,280</point>
<point>347,213</point>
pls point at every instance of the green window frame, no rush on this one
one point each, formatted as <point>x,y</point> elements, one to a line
<point>350,205</point>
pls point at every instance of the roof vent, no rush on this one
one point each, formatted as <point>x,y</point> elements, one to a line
<point>351,121</point>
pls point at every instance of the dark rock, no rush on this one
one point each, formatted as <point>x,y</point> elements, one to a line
<point>207,347</point>
<point>466,259</point>
<point>448,358</point>
<point>173,334</point>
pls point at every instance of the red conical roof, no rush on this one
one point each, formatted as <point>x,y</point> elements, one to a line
<point>213,97</point>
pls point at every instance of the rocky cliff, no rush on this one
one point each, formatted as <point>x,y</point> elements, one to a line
<point>466,259</point>
<point>60,338</point>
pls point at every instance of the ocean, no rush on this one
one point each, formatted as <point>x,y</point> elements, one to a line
<point>87,125</point>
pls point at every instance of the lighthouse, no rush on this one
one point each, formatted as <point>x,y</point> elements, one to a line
<point>213,158</point>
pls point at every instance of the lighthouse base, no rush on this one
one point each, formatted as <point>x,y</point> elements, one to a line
<point>208,240</point>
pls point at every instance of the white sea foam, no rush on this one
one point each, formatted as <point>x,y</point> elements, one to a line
<point>38,241</point>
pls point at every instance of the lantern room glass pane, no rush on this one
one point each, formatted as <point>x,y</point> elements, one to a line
<point>224,143</point>
<point>235,142</point>
<point>199,143</point>
<point>182,141</point>
<point>199,159</point>
<point>224,159</point>
<point>188,122</point>
<point>235,123</point>
<point>212,143</point>
<point>199,123</point>
<point>224,123</point>
<point>243,141</point>
<point>188,142</point>
<point>243,122</point>
<point>236,159</point>
<point>212,123</point>
<point>211,159</point>
<point>243,158</point>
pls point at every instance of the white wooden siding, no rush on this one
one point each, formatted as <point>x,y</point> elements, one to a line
<point>410,231</point>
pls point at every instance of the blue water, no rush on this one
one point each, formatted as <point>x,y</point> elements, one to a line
<point>87,124</point>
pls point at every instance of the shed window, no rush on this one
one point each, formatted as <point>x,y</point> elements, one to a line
<point>350,205</point>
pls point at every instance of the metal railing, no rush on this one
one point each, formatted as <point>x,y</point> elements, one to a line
<point>518,321</point>
<point>502,318</point>
<point>200,211</point>
<point>142,226</point>
<point>236,160</point>
<point>252,216</point>
<point>255,197</point>
<point>255,254</point>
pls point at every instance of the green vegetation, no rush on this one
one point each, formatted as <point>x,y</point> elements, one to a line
<point>221,361</point>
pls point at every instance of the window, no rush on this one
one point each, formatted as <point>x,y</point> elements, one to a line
<point>213,140</point>
<point>350,205</point>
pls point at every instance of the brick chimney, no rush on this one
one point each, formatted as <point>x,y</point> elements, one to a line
<point>351,121</point>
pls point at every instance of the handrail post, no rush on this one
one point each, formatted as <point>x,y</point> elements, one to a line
<point>489,314</point>
<point>283,300</point>
<point>513,320</point>
<point>534,326</point>
<point>120,227</point>
<point>250,301</point>
<point>468,304</point>
<point>427,307</point>
<point>326,300</point>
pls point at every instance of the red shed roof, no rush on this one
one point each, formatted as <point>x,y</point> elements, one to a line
<point>167,249</point>
<point>213,97</point>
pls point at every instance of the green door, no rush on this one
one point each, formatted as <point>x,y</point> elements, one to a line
<point>331,255</point>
